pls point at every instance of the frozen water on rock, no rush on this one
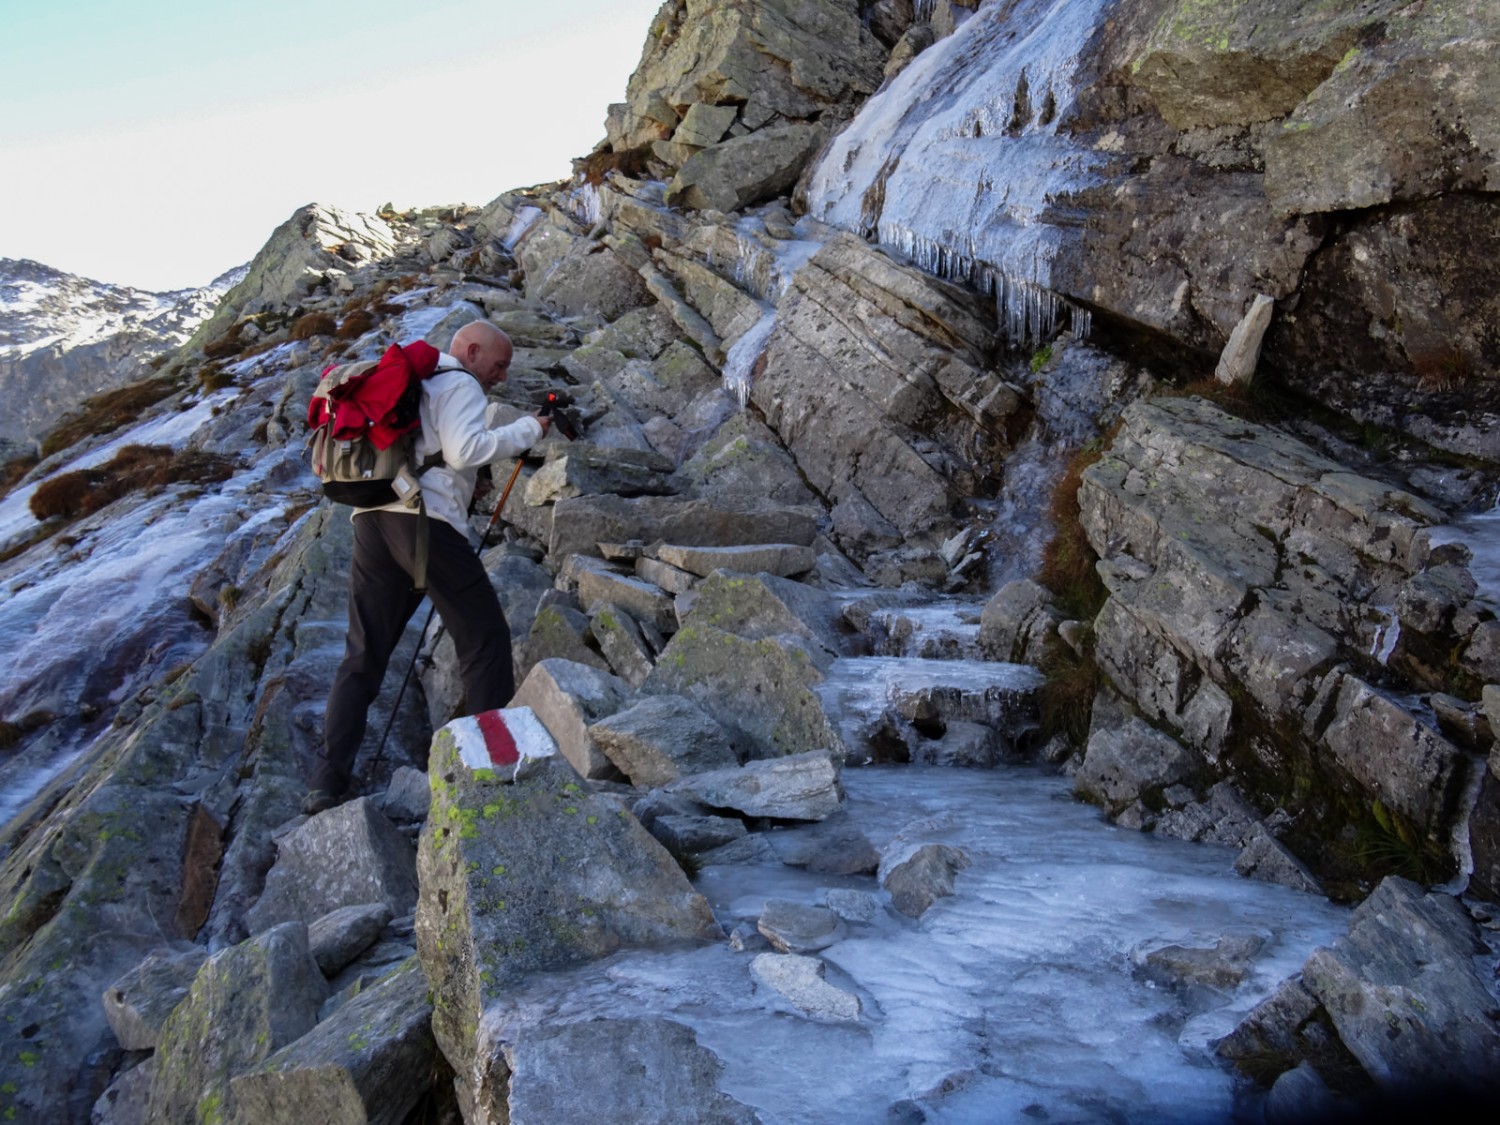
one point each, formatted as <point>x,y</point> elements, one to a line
<point>740,360</point>
<point>943,630</point>
<point>90,625</point>
<point>172,428</point>
<point>1017,994</point>
<point>520,226</point>
<point>968,139</point>
<point>1480,533</point>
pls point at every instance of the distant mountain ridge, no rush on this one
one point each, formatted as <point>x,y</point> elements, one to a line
<point>65,337</point>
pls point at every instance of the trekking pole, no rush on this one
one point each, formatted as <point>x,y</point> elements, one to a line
<point>411,667</point>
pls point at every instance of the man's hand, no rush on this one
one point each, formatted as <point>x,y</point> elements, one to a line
<point>546,421</point>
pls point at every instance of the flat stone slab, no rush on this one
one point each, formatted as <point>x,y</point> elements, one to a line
<point>780,559</point>
<point>793,928</point>
<point>800,980</point>
<point>797,787</point>
<point>663,738</point>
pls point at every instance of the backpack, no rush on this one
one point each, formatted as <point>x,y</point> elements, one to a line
<point>365,418</point>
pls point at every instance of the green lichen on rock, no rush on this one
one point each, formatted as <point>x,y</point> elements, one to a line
<point>528,874</point>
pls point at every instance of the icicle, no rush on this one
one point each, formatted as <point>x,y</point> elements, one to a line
<point>1387,634</point>
<point>739,364</point>
<point>520,225</point>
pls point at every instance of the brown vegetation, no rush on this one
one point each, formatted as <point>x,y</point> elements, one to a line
<point>628,162</point>
<point>16,468</point>
<point>1068,559</point>
<point>1442,371</point>
<point>356,324</point>
<point>226,345</point>
<point>133,468</point>
<point>313,324</point>
<point>105,413</point>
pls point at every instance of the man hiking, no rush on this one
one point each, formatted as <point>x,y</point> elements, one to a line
<point>382,596</point>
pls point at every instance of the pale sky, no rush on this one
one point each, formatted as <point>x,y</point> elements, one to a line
<point>158,143</point>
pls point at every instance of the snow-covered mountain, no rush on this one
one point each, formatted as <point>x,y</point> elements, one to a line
<point>64,338</point>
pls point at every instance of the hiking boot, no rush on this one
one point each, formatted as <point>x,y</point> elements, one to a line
<point>319,800</point>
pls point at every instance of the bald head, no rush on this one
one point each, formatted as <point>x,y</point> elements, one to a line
<point>484,351</point>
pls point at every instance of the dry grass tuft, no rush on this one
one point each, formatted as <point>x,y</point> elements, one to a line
<point>356,324</point>
<point>629,162</point>
<point>107,412</point>
<point>1443,371</point>
<point>134,468</point>
<point>313,324</point>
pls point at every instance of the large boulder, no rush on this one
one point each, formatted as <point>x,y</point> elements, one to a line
<point>350,855</point>
<point>245,1003</point>
<point>745,170</point>
<point>1404,994</point>
<point>761,691</point>
<point>656,1071</point>
<point>568,698</point>
<point>369,1062</point>
<point>523,869</point>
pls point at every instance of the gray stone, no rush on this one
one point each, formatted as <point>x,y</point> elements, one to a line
<point>1299,1095</point>
<point>661,738</point>
<point>800,980</point>
<point>757,606</point>
<point>834,846</point>
<point>794,787</point>
<point>1017,622</point>
<point>1268,859</point>
<point>348,856</point>
<point>703,125</point>
<point>642,600</point>
<point>657,1072</point>
<point>1128,758</point>
<point>580,468</point>
<point>247,1002</point>
<point>761,691</point>
<point>1403,991</point>
<point>343,934</point>
<point>751,849</point>
<point>852,905</point>
<point>1404,762</point>
<point>693,835</point>
<point>583,522</point>
<point>568,698</point>
<point>1238,360</point>
<point>668,577</point>
<point>745,170</point>
<point>1222,966</point>
<point>127,1101</point>
<point>558,633</point>
<point>138,1003</point>
<point>408,796</point>
<point>781,559</point>
<point>622,643</point>
<point>917,875</point>
<point>791,927</point>
<point>371,1061</point>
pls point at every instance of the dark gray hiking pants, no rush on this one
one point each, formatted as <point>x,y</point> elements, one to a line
<point>381,602</point>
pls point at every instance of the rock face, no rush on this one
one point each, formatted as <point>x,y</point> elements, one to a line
<point>1240,581</point>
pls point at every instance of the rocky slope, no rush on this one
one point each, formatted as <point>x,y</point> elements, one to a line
<point>844,295</point>
<point>64,338</point>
